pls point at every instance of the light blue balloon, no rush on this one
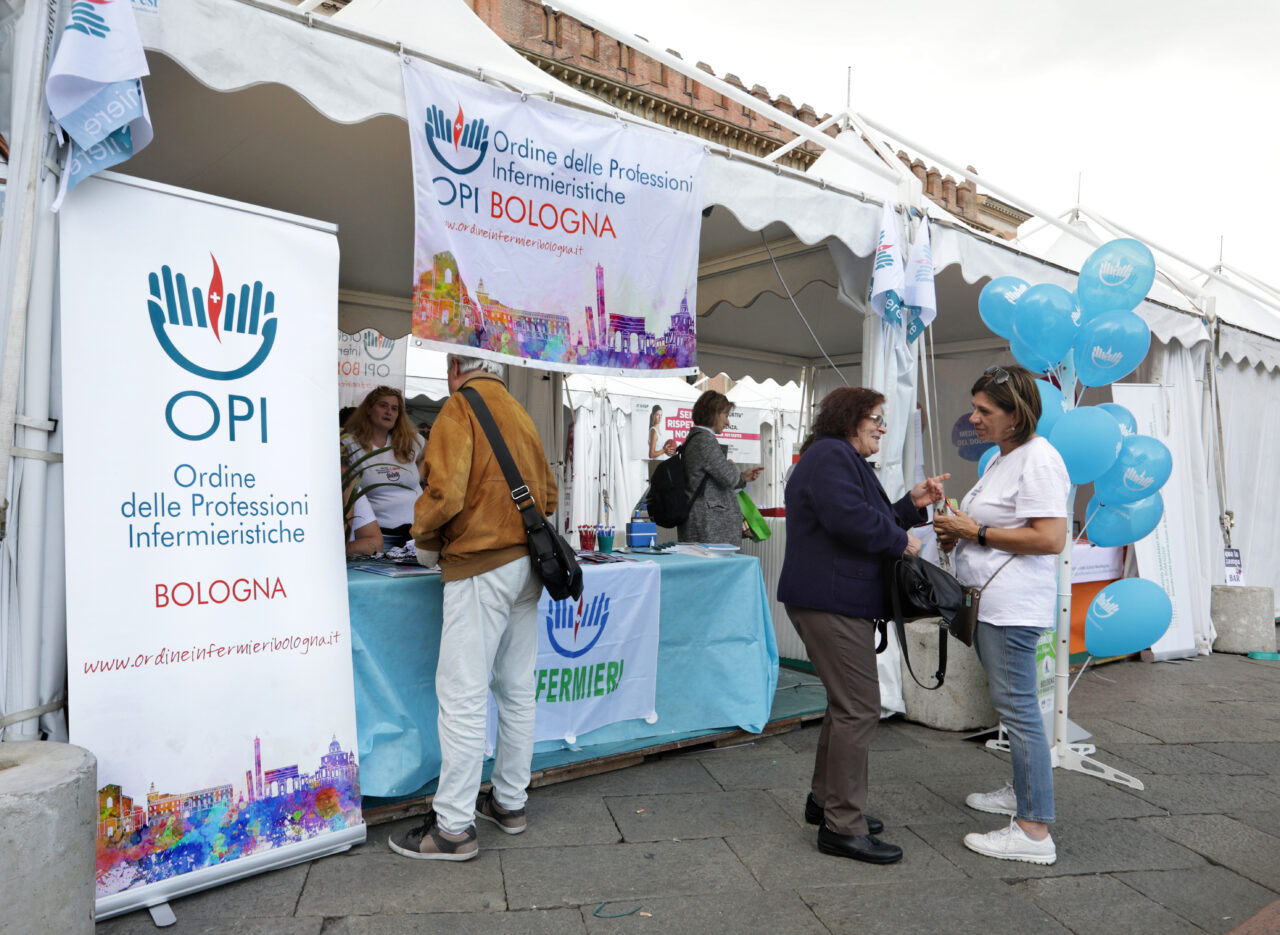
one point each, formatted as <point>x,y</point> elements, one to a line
<point>1127,616</point>
<point>1110,347</point>
<point>1026,355</point>
<point>1052,405</point>
<point>1141,469</point>
<point>1124,523</point>
<point>1116,276</point>
<point>1128,424</point>
<point>996,303</point>
<point>1088,440</point>
<point>1043,320</point>
<point>986,459</point>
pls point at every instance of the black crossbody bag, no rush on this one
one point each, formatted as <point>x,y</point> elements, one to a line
<point>920,589</point>
<point>554,562</point>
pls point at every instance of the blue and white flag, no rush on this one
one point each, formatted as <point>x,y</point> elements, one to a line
<point>887,277</point>
<point>94,92</point>
<point>921,299</point>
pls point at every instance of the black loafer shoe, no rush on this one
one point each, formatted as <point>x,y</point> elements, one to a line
<point>813,815</point>
<point>858,847</point>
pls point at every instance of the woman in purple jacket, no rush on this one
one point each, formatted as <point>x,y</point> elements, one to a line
<point>842,532</point>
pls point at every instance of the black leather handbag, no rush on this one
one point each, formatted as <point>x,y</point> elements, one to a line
<point>920,589</point>
<point>554,562</point>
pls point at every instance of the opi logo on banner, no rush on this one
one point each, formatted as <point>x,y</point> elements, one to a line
<point>378,347</point>
<point>574,631</point>
<point>465,138</point>
<point>214,335</point>
<point>84,18</point>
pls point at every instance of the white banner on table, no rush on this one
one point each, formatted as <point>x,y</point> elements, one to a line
<point>544,234</point>
<point>207,632</point>
<point>368,359</point>
<point>597,657</point>
<point>1162,556</point>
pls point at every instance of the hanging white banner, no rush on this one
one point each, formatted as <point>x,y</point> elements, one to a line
<point>598,657</point>
<point>546,235</point>
<point>209,665</point>
<point>368,359</point>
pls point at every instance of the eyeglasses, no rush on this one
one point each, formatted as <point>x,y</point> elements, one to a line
<point>879,421</point>
<point>997,374</point>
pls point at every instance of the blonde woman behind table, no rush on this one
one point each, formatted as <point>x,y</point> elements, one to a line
<point>380,421</point>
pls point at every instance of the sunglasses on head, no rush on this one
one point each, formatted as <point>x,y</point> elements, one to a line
<point>997,374</point>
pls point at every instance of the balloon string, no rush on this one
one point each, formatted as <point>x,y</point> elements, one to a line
<point>1072,687</point>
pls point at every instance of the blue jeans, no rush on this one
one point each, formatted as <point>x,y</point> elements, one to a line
<point>1008,656</point>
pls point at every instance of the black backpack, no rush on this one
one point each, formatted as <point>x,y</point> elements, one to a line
<point>668,503</point>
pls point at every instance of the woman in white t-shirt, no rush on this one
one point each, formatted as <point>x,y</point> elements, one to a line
<point>392,480</point>
<point>1006,534</point>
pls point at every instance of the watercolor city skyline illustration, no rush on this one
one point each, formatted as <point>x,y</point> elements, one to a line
<point>446,309</point>
<point>176,833</point>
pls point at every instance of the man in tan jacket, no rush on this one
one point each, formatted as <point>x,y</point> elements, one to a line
<point>466,519</point>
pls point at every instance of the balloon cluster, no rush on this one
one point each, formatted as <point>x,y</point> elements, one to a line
<point>1097,334</point>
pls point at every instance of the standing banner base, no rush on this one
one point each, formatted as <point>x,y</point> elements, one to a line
<point>177,887</point>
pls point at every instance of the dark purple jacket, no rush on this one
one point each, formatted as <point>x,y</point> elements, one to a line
<point>842,533</point>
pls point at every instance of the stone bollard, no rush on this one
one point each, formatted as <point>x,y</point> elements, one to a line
<point>48,836</point>
<point>1245,619</point>
<point>962,703</point>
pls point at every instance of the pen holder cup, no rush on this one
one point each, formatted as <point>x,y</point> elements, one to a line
<point>606,543</point>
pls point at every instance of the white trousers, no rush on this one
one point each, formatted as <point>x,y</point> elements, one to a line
<point>490,627</point>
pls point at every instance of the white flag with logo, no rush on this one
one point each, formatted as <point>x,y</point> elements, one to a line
<point>887,278</point>
<point>920,296</point>
<point>94,92</point>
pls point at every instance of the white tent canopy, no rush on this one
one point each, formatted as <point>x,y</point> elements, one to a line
<point>237,83</point>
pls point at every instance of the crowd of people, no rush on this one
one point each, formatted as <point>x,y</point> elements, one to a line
<point>449,497</point>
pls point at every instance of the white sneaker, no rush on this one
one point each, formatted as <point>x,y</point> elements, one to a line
<point>1001,802</point>
<point>1012,843</point>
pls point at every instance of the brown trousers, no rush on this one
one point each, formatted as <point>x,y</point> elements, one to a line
<point>843,651</point>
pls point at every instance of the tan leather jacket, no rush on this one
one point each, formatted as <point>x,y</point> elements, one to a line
<point>465,512</point>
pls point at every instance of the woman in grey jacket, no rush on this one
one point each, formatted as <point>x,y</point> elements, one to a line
<point>714,515</point>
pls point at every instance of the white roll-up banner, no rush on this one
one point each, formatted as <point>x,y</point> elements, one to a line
<point>209,666</point>
<point>1162,555</point>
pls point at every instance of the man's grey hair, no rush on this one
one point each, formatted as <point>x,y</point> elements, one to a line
<point>468,364</point>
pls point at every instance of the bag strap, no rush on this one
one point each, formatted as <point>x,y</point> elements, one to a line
<point>996,572</point>
<point>703,485</point>
<point>901,630</point>
<point>521,496</point>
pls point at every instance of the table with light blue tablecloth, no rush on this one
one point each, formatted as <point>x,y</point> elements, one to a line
<point>717,668</point>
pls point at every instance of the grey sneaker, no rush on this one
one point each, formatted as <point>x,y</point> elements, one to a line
<point>1001,802</point>
<point>1012,843</point>
<point>428,841</point>
<point>511,821</point>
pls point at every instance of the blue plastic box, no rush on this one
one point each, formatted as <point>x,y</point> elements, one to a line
<point>642,535</point>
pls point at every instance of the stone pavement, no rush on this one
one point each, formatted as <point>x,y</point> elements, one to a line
<point>713,840</point>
